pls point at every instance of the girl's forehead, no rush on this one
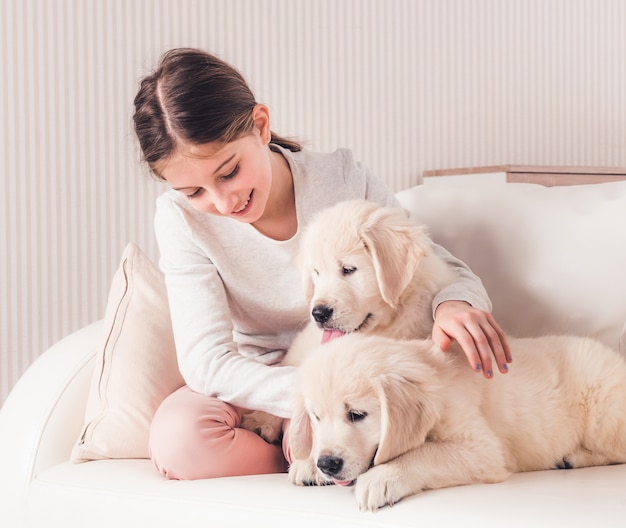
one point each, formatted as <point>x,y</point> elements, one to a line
<point>204,150</point>
<point>186,157</point>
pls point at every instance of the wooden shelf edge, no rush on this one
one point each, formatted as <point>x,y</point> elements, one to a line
<point>527,169</point>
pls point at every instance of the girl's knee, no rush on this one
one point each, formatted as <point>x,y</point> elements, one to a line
<point>186,431</point>
<point>193,436</point>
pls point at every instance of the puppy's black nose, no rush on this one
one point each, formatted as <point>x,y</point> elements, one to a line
<point>322,313</point>
<point>330,465</point>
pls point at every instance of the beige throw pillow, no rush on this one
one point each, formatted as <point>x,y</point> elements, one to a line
<point>136,367</point>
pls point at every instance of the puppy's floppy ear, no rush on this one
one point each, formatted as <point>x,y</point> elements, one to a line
<point>306,275</point>
<point>303,263</point>
<point>396,245</point>
<point>408,413</point>
<point>300,434</point>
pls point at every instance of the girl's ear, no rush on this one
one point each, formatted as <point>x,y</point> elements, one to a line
<point>261,118</point>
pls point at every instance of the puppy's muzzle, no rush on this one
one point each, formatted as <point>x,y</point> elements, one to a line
<point>330,465</point>
<point>322,313</point>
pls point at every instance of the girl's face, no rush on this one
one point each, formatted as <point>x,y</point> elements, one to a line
<point>226,179</point>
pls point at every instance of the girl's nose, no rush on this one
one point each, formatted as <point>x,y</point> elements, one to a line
<point>223,204</point>
<point>213,203</point>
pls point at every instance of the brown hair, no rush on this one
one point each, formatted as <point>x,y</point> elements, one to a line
<point>193,97</point>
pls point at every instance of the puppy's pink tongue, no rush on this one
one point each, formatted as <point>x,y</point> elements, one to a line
<point>329,335</point>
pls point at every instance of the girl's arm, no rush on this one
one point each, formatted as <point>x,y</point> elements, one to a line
<point>208,356</point>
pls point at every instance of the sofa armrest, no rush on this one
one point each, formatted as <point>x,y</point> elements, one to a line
<point>42,417</point>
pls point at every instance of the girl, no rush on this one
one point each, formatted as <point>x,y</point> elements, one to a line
<point>227,232</point>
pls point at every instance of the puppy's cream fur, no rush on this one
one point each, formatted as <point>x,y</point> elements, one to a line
<point>399,417</point>
<point>374,270</point>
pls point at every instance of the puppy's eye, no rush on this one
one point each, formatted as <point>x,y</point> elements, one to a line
<point>356,416</point>
<point>348,270</point>
<point>316,273</point>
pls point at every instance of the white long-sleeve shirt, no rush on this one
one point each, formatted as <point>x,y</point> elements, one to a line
<point>235,295</point>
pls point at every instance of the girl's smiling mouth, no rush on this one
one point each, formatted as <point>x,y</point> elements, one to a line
<point>244,207</point>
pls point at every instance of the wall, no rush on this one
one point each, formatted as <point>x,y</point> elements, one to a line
<point>410,85</point>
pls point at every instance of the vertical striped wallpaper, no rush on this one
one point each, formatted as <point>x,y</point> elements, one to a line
<point>409,85</point>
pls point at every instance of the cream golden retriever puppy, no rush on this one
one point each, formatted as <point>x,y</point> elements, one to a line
<point>398,417</point>
<point>365,268</point>
<point>369,269</point>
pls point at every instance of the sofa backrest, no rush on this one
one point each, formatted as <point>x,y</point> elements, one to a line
<point>553,259</point>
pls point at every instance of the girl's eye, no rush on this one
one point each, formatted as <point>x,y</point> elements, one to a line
<point>195,194</point>
<point>231,175</point>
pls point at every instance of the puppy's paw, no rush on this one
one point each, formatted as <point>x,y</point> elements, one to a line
<point>380,486</point>
<point>303,472</point>
<point>267,426</point>
<point>582,458</point>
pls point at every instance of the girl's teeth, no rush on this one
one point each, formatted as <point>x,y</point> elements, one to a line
<point>243,206</point>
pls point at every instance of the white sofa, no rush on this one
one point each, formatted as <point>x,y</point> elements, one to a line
<point>553,260</point>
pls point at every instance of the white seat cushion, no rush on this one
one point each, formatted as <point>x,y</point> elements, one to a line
<point>130,493</point>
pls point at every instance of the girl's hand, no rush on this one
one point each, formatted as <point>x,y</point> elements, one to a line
<point>476,331</point>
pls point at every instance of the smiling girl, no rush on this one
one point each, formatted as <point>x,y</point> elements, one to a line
<point>228,233</point>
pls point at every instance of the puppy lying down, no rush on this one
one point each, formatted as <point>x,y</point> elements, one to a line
<point>398,417</point>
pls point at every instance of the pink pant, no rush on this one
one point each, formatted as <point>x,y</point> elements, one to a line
<point>194,436</point>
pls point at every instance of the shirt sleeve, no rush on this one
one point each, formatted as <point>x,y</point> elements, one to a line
<point>208,357</point>
<point>467,287</point>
